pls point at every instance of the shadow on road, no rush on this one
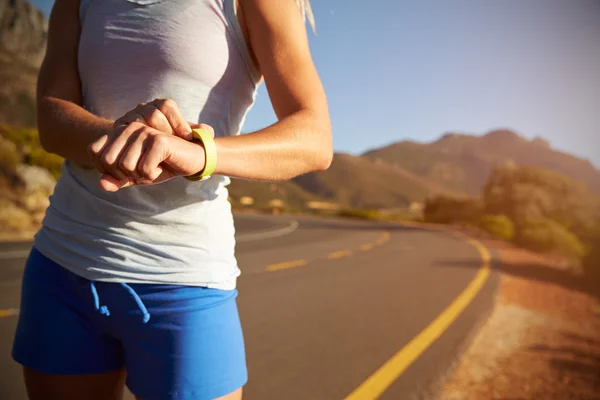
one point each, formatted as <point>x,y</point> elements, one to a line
<point>357,224</point>
<point>535,272</point>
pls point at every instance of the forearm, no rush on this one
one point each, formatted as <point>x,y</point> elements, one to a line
<point>295,145</point>
<point>67,129</point>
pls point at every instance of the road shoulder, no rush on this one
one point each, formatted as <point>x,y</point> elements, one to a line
<point>541,341</point>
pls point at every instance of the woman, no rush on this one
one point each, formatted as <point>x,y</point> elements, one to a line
<point>132,277</point>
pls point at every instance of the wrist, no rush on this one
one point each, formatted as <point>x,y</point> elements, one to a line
<point>199,158</point>
<point>206,151</point>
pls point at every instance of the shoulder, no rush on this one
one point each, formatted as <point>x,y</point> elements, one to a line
<point>268,19</point>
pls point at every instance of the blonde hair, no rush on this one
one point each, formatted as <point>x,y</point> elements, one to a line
<point>307,13</point>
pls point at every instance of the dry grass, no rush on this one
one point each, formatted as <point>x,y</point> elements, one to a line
<point>542,340</point>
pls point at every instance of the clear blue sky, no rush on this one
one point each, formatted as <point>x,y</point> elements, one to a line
<point>398,70</point>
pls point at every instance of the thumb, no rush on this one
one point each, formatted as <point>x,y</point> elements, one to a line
<point>184,131</point>
<point>206,127</point>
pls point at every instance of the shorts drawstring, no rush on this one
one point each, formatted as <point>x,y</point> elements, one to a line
<point>139,302</point>
<point>104,309</point>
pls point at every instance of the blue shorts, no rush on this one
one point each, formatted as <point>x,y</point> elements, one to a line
<point>176,342</point>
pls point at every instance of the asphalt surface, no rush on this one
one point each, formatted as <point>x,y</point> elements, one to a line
<point>324,303</point>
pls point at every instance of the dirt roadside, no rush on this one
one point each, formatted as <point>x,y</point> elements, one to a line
<point>542,341</point>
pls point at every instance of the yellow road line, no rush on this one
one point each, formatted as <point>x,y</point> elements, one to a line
<point>9,312</point>
<point>385,236</point>
<point>378,383</point>
<point>286,265</point>
<point>332,256</point>
<point>366,247</point>
<point>339,254</point>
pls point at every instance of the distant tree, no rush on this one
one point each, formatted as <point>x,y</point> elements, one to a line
<point>524,194</point>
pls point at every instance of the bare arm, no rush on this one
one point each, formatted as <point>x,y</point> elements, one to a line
<point>300,141</point>
<point>66,128</point>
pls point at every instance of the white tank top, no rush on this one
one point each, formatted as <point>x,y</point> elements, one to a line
<point>176,232</point>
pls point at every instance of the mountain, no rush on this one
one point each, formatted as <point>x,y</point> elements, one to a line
<point>351,181</point>
<point>462,163</point>
<point>23,35</point>
<point>359,182</point>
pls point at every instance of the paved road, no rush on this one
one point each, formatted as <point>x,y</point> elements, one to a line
<point>324,304</point>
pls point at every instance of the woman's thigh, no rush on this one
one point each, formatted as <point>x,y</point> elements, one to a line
<point>106,386</point>
<point>236,395</point>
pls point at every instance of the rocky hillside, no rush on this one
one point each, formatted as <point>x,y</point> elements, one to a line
<point>23,31</point>
<point>362,183</point>
<point>462,163</point>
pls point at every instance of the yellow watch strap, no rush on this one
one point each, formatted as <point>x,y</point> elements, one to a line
<point>210,153</point>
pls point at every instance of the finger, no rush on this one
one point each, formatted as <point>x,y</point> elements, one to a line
<point>95,150</point>
<point>154,118</point>
<point>173,114</point>
<point>131,116</point>
<point>130,156</point>
<point>154,154</point>
<point>113,150</point>
<point>110,184</point>
<point>96,147</point>
<point>98,165</point>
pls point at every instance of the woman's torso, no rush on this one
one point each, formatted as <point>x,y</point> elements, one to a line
<point>178,232</point>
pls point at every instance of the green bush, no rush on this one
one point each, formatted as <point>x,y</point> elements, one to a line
<point>51,162</point>
<point>548,236</point>
<point>23,138</point>
<point>499,226</point>
<point>363,214</point>
<point>27,146</point>
<point>451,210</point>
<point>9,159</point>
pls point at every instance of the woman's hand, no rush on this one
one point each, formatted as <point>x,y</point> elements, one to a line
<point>161,114</point>
<point>136,154</point>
